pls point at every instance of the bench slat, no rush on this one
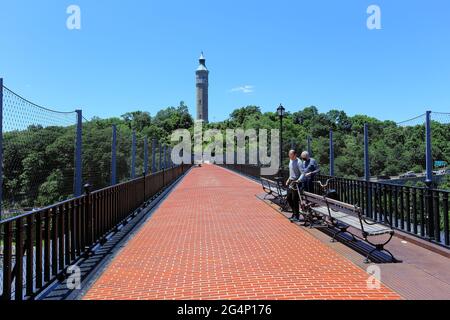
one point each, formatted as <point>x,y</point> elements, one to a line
<point>331,201</point>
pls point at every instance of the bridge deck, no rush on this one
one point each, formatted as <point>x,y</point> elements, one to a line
<point>212,238</point>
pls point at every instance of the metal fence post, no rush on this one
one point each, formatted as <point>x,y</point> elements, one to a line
<point>160,157</point>
<point>367,170</point>
<point>429,177</point>
<point>145,156</point>
<point>331,154</point>
<point>153,155</point>
<point>78,182</point>
<point>429,157</point>
<point>1,147</point>
<point>366,153</point>
<point>133,155</point>
<point>114,155</point>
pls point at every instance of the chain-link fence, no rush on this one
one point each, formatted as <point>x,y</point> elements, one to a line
<point>96,154</point>
<point>38,154</point>
<point>124,150</point>
<point>440,137</point>
<point>397,152</point>
<point>408,145</point>
<point>49,155</point>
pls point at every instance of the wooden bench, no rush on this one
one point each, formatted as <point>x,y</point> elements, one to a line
<point>343,217</point>
<point>275,190</point>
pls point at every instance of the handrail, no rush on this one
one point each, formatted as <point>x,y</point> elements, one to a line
<point>28,213</point>
<point>383,183</point>
<point>47,241</point>
<point>25,214</point>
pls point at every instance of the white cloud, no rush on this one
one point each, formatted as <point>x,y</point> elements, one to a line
<point>244,89</point>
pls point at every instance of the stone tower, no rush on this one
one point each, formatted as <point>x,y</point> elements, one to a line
<point>202,75</point>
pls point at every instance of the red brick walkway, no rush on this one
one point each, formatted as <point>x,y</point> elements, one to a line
<point>213,239</point>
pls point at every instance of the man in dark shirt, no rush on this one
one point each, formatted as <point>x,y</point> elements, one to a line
<point>309,169</point>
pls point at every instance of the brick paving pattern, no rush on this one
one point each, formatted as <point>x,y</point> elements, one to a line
<point>213,239</point>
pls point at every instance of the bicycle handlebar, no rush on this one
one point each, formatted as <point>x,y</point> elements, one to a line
<point>323,186</point>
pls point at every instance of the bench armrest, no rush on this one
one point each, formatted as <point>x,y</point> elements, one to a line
<point>372,222</point>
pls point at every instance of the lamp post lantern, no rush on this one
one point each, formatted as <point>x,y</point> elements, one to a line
<point>281,112</point>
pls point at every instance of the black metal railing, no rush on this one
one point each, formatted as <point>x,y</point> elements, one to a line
<point>38,247</point>
<point>423,212</point>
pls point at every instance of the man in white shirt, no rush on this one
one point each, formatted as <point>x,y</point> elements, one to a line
<point>295,175</point>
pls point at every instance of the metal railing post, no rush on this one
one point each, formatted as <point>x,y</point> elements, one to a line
<point>1,147</point>
<point>145,156</point>
<point>133,155</point>
<point>114,155</point>
<point>78,181</point>
<point>331,154</point>
<point>429,157</point>
<point>153,155</point>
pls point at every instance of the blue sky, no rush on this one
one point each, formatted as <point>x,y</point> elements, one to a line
<point>142,54</point>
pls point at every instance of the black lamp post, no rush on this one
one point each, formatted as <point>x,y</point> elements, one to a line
<point>281,112</point>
